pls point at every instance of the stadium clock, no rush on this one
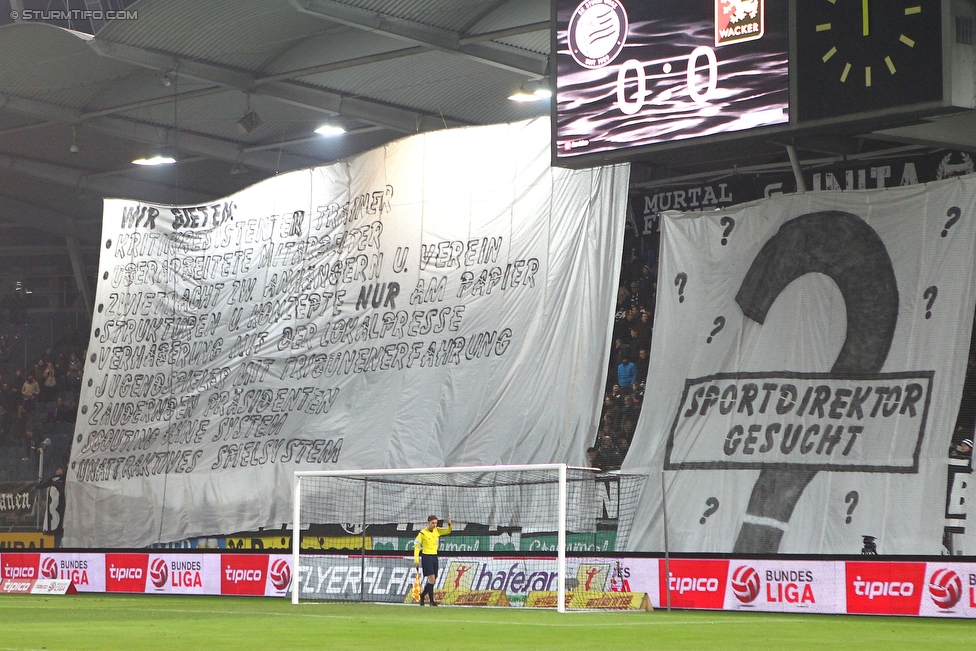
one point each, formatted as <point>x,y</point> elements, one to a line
<point>863,55</point>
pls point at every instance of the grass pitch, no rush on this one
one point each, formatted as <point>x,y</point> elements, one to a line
<point>170,623</point>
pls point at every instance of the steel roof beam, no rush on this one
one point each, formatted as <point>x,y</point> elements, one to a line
<point>149,134</point>
<point>444,40</point>
<point>292,92</point>
<point>78,179</point>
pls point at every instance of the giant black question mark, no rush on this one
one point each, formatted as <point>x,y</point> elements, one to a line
<point>848,251</point>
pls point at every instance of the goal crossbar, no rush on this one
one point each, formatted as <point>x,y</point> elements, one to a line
<point>560,468</point>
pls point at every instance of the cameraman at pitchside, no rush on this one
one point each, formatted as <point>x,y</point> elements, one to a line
<point>425,554</point>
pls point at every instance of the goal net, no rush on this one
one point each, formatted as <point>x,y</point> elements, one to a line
<point>532,535</point>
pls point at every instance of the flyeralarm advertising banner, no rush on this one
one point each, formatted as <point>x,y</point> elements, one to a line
<point>937,589</point>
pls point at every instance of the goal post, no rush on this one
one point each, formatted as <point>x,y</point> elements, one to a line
<point>354,533</point>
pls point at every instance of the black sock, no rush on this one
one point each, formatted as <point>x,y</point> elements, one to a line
<point>429,590</point>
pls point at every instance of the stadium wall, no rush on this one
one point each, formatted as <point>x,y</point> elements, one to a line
<point>908,588</point>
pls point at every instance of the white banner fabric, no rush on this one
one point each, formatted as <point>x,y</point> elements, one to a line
<point>444,300</point>
<point>806,372</point>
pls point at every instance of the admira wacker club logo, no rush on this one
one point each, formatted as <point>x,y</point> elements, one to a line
<point>737,21</point>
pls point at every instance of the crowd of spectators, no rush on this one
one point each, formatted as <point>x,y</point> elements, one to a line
<point>627,372</point>
<point>36,399</point>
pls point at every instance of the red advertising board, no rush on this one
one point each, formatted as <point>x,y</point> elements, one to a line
<point>125,572</point>
<point>19,566</point>
<point>882,588</point>
<point>694,584</point>
<point>244,574</point>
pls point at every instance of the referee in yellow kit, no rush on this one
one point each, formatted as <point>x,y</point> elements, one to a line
<point>425,554</point>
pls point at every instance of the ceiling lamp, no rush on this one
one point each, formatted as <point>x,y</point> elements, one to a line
<point>250,121</point>
<point>532,91</point>
<point>163,157</point>
<point>330,129</point>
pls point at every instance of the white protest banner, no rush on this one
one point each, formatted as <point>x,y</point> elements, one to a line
<point>806,371</point>
<point>444,300</point>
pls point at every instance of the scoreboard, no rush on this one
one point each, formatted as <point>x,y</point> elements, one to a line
<point>636,76</point>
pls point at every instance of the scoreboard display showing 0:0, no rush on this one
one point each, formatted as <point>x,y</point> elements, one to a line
<point>634,74</point>
<point>631,102</point>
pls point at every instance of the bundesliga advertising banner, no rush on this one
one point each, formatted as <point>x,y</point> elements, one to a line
<point>267,575</point>
<point>394,310</point>
<point>806,372</point>
<point>933,589</point>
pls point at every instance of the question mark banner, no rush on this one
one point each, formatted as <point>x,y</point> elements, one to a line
<point>819,364</point>
<point>680,281</point>
<point>931,294</point>
<point>719,323</point>
<point>729,225</point>
<point>712,503</point>
<point>851,498</point>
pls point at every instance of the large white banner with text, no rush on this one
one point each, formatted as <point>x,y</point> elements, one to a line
<point>806,371</point>
<point>444,300</point>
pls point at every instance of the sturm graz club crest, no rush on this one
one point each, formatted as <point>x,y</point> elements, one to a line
<point>597,32</point>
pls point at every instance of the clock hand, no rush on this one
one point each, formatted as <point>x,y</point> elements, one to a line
<point>865,23</point>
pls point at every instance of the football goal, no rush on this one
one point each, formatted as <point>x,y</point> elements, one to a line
<point>539,535</point>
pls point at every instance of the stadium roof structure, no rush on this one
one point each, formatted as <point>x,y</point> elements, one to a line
<point>234,91</point>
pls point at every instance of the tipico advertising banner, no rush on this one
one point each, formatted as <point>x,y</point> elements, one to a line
<point>927,589</point>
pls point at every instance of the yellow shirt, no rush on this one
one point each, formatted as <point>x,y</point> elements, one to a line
<point>427,541</point>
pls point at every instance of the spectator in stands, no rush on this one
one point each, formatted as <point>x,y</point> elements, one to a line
<point>623,446</point>
<point>623,297</point>
<point>627,428</point>
<point>591,457</point>
<point>29,392</point>
<point>7,411</point>
<point>38,370</point>
<point>30,442</point>
<point>18,425</point>
<point>76,369</point>
<point>62,412</point>
<point>630,409</point>
<point>645,329</point>
<point>617,394</point>
<point>962,450</point>
<point>648,287</point>
<point>611,407</point>
<point>639,392</point>
<point>642,363</point>
<point>49,388</point>
<point>626,375</point>
<point>606,453</point>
